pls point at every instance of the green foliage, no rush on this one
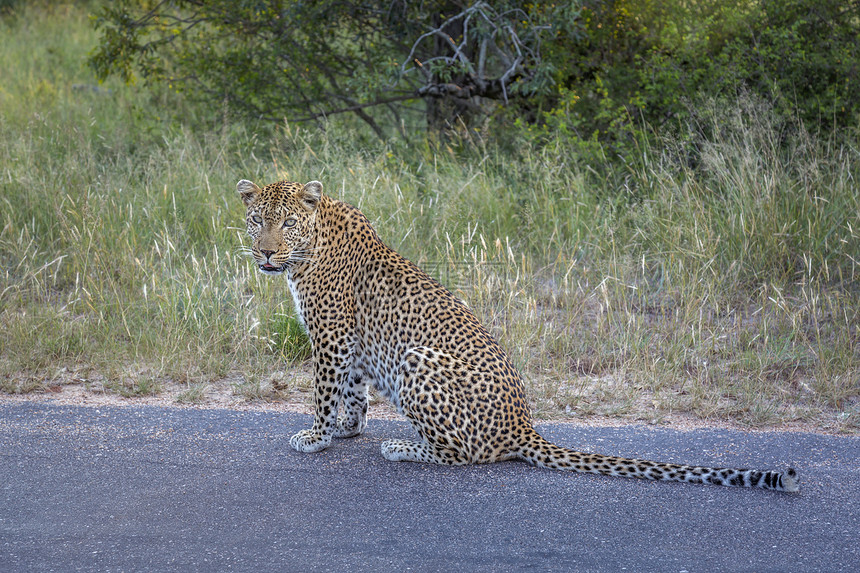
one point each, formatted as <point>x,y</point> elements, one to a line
<point>266,60</point>
<point>805,54</point>
<point>634,67</point>
<point>304,61</point>
<point>607,71</point>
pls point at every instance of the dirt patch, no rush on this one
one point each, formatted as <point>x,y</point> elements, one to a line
<point>291,392</point>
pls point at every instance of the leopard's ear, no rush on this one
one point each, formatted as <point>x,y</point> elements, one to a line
<point>311,194</point>
<point>248,191</point>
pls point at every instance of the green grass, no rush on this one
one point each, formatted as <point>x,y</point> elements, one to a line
<point>724,289</point>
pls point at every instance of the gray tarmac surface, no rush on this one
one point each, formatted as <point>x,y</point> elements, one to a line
<point>160,489</point>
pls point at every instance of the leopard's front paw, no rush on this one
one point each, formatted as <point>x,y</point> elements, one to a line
<point>309,441</point>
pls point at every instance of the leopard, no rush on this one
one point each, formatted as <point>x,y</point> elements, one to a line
<point>373,317</point>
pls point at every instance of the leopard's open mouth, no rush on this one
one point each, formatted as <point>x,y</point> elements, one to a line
<point>271,269</point>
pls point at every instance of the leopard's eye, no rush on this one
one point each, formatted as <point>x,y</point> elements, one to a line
<point>291,222</point>
<point>257,219</point>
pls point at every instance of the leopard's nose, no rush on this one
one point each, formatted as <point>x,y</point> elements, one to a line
<point>267,253</point>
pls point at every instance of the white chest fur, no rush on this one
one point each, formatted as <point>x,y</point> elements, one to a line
<point>297,300</point>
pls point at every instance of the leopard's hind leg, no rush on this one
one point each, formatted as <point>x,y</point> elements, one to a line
<point>431,392</point>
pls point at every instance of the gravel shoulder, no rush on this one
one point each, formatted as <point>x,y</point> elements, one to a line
<point>222,396</point>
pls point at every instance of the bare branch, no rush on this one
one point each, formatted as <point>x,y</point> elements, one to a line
<point>500,43</point>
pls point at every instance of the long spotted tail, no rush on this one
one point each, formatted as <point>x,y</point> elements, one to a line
<point>540,452</point>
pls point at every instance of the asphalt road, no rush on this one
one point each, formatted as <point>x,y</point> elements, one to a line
<point>155,489</point>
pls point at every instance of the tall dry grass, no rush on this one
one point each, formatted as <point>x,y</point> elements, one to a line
<point>716,278</point>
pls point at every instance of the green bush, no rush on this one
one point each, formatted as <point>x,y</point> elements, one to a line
<point>633,68</point>
<point>804,55</point>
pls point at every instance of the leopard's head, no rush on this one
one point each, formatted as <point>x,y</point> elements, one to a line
<point>281,218</point>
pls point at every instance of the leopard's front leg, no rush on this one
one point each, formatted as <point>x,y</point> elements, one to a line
<point>354,401</point>
<point>331,370</point>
